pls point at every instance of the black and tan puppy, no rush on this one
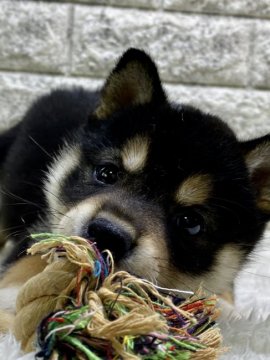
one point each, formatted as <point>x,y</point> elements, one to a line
<point>168,189</point>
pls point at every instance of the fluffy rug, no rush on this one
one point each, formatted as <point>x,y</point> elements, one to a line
<point>245,326</point>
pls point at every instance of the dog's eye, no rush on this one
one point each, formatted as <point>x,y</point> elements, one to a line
<point>191,223</point>
<point>107,174</point>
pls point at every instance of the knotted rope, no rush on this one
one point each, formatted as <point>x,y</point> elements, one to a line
<point>80,308</point>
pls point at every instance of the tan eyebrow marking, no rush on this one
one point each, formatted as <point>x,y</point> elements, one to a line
<point>134,153</point>
<point>195,190</point>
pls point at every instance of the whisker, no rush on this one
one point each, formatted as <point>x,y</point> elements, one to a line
<point>9,228</point>
<point>14,196</point>
<point>41,147</point>
<point>235,203</point>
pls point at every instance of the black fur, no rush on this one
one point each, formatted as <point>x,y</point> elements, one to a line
<point>183,142</point>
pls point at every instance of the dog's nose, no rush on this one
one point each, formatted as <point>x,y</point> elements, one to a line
<point>108,235</point>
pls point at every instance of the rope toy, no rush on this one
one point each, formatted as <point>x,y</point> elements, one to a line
<point>79,308</point>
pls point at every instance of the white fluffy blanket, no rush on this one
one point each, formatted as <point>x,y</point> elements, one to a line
<point>245,328</point>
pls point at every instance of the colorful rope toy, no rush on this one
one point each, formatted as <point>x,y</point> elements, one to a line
<point>79,308</point>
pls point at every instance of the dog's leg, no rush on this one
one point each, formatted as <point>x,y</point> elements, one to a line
<point>6,321</point>
<point>11,283</point>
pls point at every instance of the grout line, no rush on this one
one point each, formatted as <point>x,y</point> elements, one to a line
<point>161,6</point>
<point>250,59</point>
<point>165,83</point>
<point>70,39</point>
<point>217,14</point>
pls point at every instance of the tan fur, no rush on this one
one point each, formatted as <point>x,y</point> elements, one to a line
<point>151,246</point>
<point>219,279</point>
<point>151,260</point>
<point>258,157</point>
<point>228,296</point>
<point>147,257</point>
<point>87,210</point>
<point>67,160</point>
<point>6,321</point>
<point>71,223</point>
<point>195,190</point>
<point>258,163</point>
<point>134,153</point>
<point>131,86</point>
<point>22,270</point>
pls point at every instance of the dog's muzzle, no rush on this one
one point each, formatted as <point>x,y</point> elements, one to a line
<point>109,235</point>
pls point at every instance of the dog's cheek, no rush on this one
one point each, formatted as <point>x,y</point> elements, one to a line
<point>218,279</point>
<point>73,221</point>
<point>227,264</point>
<point>147,258</point>
<point>63,164</point>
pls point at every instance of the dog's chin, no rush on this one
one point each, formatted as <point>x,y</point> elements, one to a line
<point>146,263</point>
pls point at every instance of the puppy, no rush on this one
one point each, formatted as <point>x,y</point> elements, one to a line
<point>167,188</point>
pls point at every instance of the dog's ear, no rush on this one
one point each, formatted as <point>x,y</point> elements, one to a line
<point>134,81</point>
<point>257,156</point>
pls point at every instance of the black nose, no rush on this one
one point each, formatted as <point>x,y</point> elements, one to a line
<point>108,235</point>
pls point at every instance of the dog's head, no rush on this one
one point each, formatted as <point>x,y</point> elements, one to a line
<point>168,189</point>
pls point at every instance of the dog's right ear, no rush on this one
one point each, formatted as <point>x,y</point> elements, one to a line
<point>134,81</point>
<point>257,157</point>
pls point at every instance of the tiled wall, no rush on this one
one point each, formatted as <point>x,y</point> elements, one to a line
<point>214,54</point>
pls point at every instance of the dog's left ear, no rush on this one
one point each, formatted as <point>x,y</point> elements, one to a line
<point>134,81</point>
<point>257,156</point>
